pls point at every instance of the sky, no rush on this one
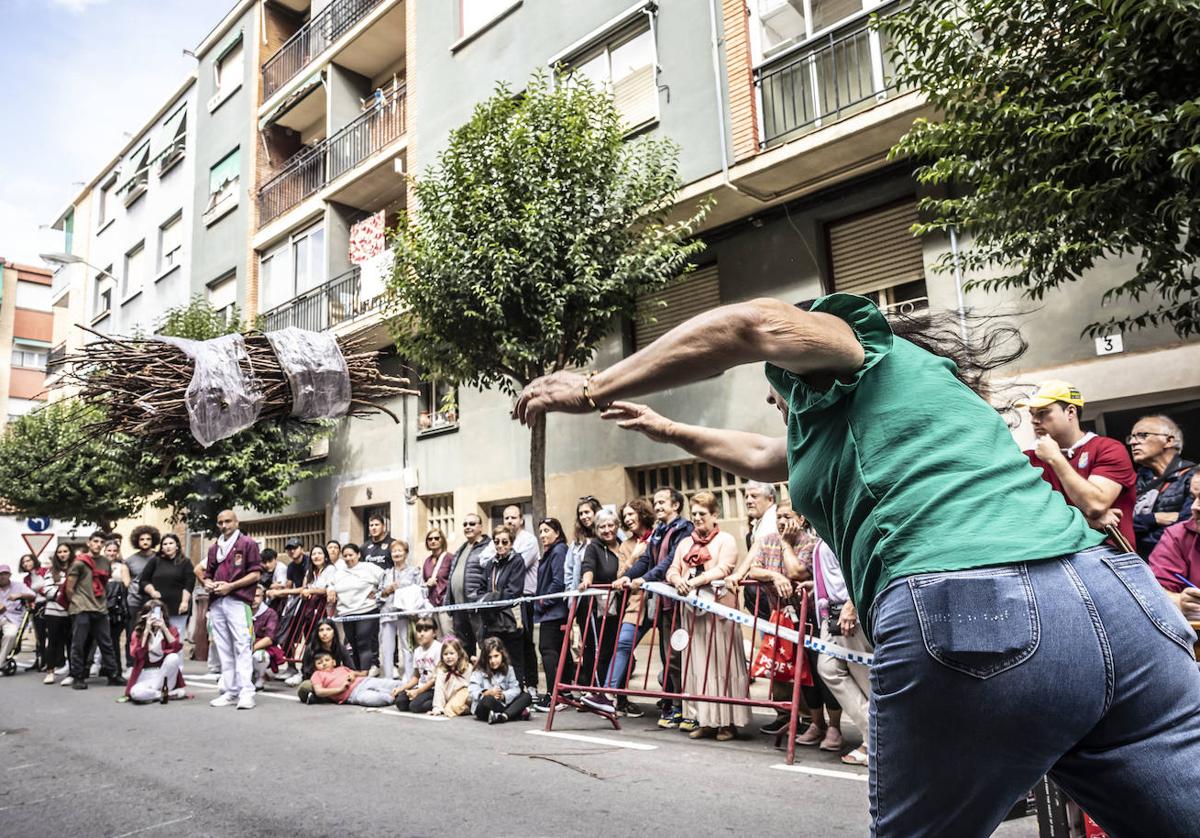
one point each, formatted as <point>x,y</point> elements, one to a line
<point>80,76</point>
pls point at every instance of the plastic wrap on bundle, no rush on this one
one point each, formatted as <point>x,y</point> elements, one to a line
<point>221,398</point>
<point>316,370</point>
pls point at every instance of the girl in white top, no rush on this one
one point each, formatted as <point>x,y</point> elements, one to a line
<point>416,696</point>
<point>400,589</point>
<point>355,591</point>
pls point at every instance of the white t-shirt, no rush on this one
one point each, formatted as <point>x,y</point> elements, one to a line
<point>325,577</point>
<point>425,661</point>
<point>354,586</point>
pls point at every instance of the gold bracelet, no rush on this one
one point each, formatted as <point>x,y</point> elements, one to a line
<point>587,390</point>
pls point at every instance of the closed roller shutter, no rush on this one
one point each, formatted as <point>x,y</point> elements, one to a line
<point>686,297</point>
<point>636,97</point>
<point>876,250</point>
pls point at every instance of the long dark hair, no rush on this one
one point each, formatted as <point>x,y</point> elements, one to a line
<point>556,525</point>
<point>313,645</point>
<point>492,644</point>
<point>993,344</point>
<point>58,568</point>
<point>583,533</point>
<point>179,556</point>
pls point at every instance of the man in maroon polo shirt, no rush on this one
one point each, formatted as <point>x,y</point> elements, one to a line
<point>1094,473</point>
<point>230,577</point>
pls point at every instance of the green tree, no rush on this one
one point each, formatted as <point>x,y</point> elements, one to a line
<point>1068,132</point>
<point>50,465</point>
<point>534,232</point>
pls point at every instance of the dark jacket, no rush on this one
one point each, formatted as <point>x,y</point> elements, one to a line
<point>601,562</point>
<point>551,580</point>
<point>474,583</point>
<point>1172,495</point>
<point>505,579</point>
<point>653,564</point>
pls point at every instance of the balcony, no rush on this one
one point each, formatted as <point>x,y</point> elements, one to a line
<point>57,355</point>
<point>310,170</point>
<point>324,307</point>
<point>313,38</point>
<point>823,81</point>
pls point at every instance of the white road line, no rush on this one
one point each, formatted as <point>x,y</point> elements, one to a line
<point>22,765</point>
<point>424,717</point>
<point>595,740</point>
<point>54,797</point>
<point>153,826</point>
<point>280,696</point>
<point>822,772</point>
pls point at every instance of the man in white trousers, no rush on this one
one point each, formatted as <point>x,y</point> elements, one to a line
<point>230,577</point>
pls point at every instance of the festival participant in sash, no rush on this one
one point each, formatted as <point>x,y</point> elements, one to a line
<point>979,586</point>
<point>231,575</point>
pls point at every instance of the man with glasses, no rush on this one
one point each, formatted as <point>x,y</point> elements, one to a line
<point>467,582</point>
<point>1094,473</point>
<point>1162,479</point>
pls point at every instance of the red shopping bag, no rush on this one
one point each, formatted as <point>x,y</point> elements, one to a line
<point>776,656</point>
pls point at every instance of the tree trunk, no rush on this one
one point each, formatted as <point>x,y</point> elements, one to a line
<point>537,466</point>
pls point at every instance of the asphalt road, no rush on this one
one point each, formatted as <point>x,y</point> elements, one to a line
<point>81,763</point>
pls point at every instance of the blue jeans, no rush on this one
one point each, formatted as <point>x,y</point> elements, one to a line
<point>984,680</point>
<point>629,637</point>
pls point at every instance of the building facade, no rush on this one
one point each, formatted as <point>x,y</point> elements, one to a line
<point>310,114</point>
<point>26,330</point>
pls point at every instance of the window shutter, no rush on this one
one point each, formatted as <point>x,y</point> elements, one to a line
<point>876,250</point>
<point>636,96</point>
<point>692,294</point>
<point>227,170</point>
<point>223,293</point>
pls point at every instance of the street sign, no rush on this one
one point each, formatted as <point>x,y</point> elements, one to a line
<point>38,524</point>
<point>1110,344</point>
<point>37,541</point>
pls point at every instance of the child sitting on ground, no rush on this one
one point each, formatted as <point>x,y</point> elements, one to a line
<point>154,653</point>
<point>417,694</point>
<point>324,638</point>
<point>450,693</point>
<point>496,694</point>
<point>266,653</point>
<point>343,685</point>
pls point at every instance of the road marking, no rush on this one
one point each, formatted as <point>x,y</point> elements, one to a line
<point>280,696</point>
<point>22,765</point>
<point>424,717</point>
<point>153,826</point>
<point>822,772</point>
<point>595,740</point>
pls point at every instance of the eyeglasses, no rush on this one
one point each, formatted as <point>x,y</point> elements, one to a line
<point>1140,436</point>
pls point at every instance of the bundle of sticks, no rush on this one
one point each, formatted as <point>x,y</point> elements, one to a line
<point>141,384</point>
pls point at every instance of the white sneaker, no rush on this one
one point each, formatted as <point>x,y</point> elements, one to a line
<point>222,701</point>
<point>294,680</point>
<point>246,702</point>
<point>95,671</point>
<point>66,682</point>
<point>65,669</point>
<point>373,672</point>
<point>49,679</point>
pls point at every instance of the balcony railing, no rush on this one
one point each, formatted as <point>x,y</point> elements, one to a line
<point>823,81</point>
<point>309,170</point>
<point>338,300</point>
<point>311,40</point>
<point>57,355</point>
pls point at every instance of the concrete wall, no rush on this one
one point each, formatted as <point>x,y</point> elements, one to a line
<point>449,84</point>
<point>221,247</point>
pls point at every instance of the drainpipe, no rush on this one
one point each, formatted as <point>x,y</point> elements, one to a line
<point>958,282</point>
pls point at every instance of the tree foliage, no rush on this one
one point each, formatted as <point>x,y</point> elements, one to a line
<point>51,464</point>
<point>1069,132</point>
<point>536,229</point>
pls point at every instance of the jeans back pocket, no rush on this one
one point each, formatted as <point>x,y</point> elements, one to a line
<point>1137,577</point>
<point>980,622</point>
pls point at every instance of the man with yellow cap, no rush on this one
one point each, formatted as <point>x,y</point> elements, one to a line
<point>1094,473</point>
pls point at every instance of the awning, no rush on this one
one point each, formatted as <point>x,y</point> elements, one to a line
<point>297,96</point>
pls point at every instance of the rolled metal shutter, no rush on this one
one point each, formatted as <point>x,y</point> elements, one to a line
<point>876,250</point>
<point>692,294</point>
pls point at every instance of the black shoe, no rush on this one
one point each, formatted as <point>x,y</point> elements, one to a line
<point>495,718</point>
<point>773,728</point>
<point>116,681</point>
<point>629,709</point>
<point>79,685</point>
<point>310,698</point>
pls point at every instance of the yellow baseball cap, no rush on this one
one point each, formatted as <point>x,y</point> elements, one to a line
<point>1049,392</point>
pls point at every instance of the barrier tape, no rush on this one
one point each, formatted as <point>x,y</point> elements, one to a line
<point>392,616</point>
<point>765,626</point>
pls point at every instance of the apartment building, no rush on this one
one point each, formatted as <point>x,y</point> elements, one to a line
<point>310,114</point>
<point>25,335</point>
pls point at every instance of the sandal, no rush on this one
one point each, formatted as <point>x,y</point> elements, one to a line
<point>856,757</point>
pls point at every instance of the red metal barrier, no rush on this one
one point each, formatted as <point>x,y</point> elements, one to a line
<point>302,625</point>
<point>669,616</point>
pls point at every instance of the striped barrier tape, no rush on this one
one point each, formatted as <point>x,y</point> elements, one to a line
<point>765,626</point>
<point>392,616</point>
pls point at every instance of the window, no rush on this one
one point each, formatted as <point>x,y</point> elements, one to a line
<point>292,267</point>
<point>139,166</point>
<point>228,70</point>
<point>476,14</point>
<point>170,243</point>
<point>692,476</point>
<point>33,296</point>
<point>497,513</point>
<point>875,254</point>
<point>784,23</point>
<point>439,513</point>
<point>107,191</point>
<point>626,66</point>
<point>682,299</point>
<point>102,288</point>
<point>223,186</point>
<point>174,139</point>
<point>222,296</point>
<point>437,406</point>
<point>275,532</point>
<point>135,266</point>
<point>29,358</point>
